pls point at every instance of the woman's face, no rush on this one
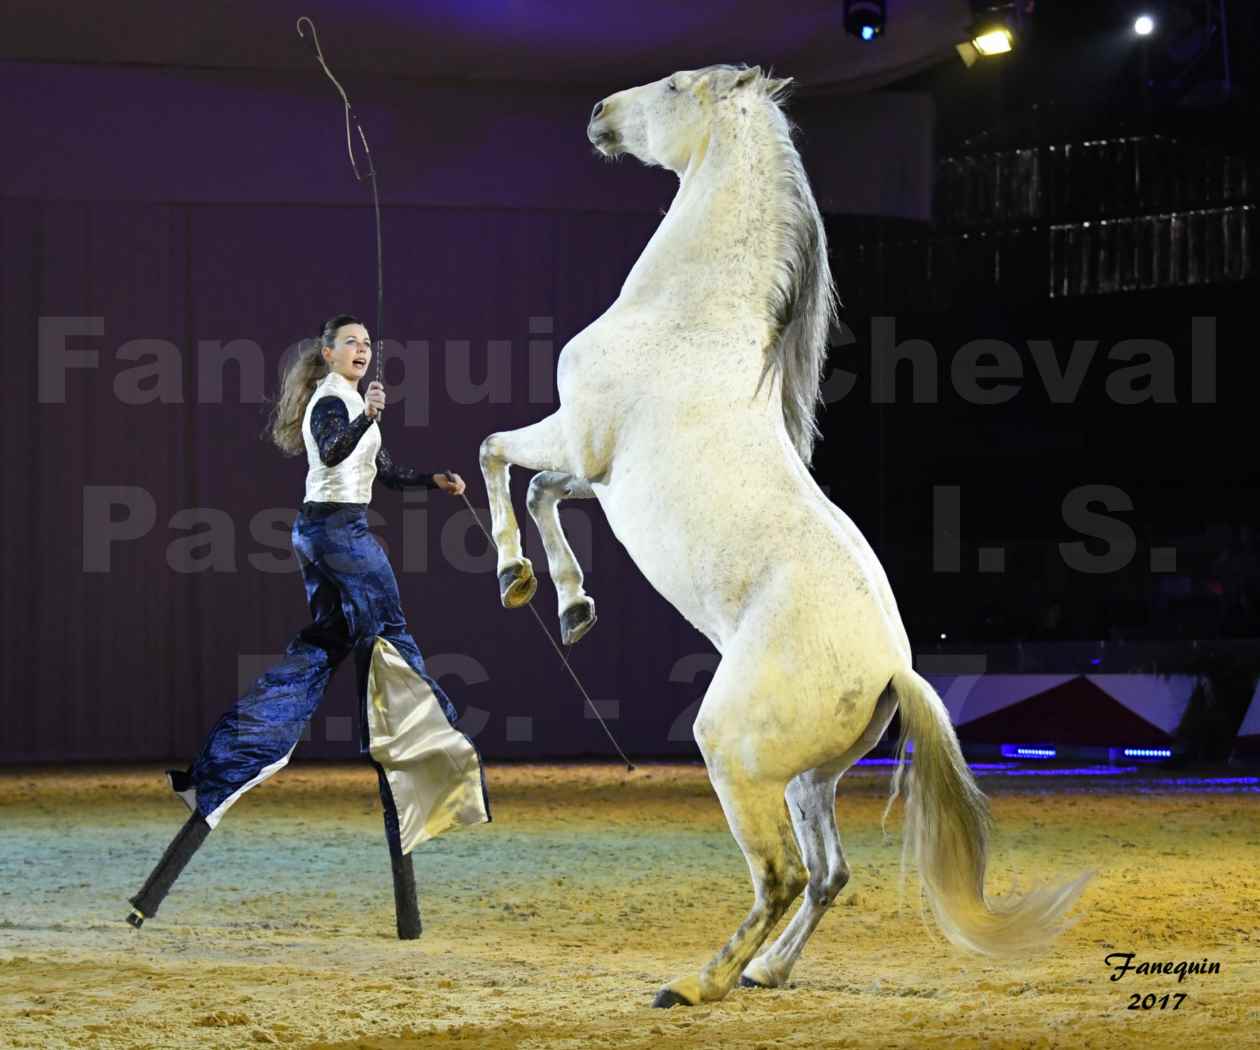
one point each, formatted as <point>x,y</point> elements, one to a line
<point>351,352</point>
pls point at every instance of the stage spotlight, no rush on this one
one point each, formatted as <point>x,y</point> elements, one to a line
<point>1144,25</point>
<point>994,41</point>
<point>865,19</point>
<point>993,31</point>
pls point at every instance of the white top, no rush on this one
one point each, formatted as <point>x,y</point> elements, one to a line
<point>350,481</point>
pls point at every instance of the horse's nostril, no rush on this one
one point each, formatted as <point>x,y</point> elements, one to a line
<point>599,108</point>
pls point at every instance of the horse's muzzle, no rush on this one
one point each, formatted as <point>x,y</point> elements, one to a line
<point>603,138</point>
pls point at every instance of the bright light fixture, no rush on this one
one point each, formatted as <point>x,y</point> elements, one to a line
<point>996,41</point>
<point>993,31</point>
<point>1144,25</point>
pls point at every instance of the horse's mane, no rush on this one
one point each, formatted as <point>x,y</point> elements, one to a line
<point>803,301</point>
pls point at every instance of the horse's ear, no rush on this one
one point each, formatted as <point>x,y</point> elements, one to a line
<point>774,88</point>
<point>745,75</point>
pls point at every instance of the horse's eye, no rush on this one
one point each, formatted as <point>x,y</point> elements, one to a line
<point>671,85</point>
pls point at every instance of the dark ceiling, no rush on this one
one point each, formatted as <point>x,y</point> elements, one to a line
<point>535,41</point>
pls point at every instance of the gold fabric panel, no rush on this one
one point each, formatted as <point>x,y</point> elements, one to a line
<point>433,770</point>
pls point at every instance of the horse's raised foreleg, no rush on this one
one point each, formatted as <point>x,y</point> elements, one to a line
<point>546,490</point>
<point>539,446</point>
<point>812,802</point>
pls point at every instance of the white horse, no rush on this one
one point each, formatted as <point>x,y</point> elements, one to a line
<point>687,409</point>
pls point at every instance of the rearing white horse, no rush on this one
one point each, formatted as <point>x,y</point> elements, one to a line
<point>702,375</point>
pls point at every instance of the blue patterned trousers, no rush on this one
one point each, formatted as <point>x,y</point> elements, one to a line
<point>353,597</point>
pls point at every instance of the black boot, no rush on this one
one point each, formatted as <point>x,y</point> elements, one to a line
<point>190,837</point>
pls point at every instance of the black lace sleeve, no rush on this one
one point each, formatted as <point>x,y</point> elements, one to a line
<point>334,433</point>
<point>395,477</point>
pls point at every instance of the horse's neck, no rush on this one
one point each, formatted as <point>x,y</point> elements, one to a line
<point>715,250</point>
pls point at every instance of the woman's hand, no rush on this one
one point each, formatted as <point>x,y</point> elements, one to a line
<point>451,483</point>
<point>374,399</point>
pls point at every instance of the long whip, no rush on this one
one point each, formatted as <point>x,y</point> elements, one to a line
<point>380,342</point>
<point>359,177</point>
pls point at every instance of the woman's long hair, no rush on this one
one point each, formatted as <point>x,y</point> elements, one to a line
<point>301,371</point>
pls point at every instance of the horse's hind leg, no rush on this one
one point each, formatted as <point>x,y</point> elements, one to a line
<point>809,798</point>
<point>812,802</point>
<point>758,819</point>
<point>546,490</point>
<point>748,753</point>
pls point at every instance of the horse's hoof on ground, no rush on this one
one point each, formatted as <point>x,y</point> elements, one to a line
<point>760,974</point>
<point>136,918</point>
<point>576,620</point>
<point>517,584</point>
<point>667,997</point>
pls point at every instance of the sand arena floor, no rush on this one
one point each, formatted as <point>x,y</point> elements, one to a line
<point>555,925</point>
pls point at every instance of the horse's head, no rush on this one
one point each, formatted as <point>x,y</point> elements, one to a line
<point>664,122</point>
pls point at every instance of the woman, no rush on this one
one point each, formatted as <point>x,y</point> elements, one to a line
<point>429,774</point>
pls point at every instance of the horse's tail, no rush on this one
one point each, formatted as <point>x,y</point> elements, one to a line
<point>946,833</point>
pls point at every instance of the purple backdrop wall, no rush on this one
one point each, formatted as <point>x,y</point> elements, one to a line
<point>123,134</point>
<point>159,223</point>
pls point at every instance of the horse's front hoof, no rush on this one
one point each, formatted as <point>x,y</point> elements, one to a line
<point>517,584</point>
<point>667,998</point>
<point>136,918</point>
<point>748,982</point>
<point>576,620</point>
